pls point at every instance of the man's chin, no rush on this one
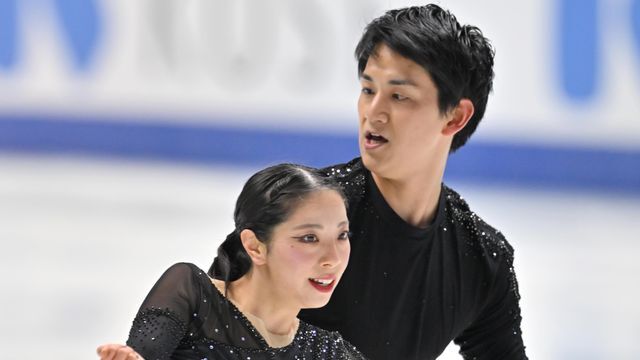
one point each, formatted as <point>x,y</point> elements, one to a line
<point>381,169</point>
<point>370,163</point>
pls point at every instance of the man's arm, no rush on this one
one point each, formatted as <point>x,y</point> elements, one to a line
<point>496,333</point>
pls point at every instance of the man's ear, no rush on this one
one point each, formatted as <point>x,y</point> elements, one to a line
<point>256,249</point>
<point>460,117</point>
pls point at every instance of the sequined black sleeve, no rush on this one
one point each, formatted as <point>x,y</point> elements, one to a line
<point>163,317</point>
<point>348,351</point>
<point>495,334</point>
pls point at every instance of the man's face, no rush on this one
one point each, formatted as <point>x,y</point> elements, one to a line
<point>400,123</point>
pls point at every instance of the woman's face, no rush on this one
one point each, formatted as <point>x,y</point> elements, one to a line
<point>310,250</point>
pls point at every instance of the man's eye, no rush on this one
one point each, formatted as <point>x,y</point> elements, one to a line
<point>367,91</point>
<point>399,97</point>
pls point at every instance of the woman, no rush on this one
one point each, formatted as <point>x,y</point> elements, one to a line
<point>288,251</point>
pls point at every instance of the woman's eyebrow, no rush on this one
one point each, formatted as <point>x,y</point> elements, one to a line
<point>317,226</point>
<point>306,226</point>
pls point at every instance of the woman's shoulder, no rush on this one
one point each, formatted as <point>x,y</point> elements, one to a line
<point>184,269</point>
<point>184,277</point>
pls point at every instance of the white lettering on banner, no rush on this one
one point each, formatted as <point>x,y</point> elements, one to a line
<point>239,44</point>
<point>290,62</point>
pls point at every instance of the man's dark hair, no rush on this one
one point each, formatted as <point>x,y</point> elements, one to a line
<point>458,58</point>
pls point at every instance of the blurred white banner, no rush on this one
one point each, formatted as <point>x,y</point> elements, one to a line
<point>567,71</point>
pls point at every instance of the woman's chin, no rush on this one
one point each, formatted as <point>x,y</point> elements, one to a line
<point>316,303</point>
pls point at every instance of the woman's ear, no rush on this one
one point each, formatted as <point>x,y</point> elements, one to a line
<point>460,117</point>
<point>256,249</point>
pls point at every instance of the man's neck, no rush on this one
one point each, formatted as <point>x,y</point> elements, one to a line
<point>415,198</point>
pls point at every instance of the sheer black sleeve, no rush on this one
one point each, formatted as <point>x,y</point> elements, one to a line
<point>496,333</point>
<point>164,315</point>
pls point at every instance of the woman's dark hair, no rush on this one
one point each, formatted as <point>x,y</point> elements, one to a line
<point>267,199</point>
<point>458,58</point>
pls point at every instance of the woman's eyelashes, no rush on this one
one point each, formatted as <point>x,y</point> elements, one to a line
<point>308,238</point>
<point>311,238</point>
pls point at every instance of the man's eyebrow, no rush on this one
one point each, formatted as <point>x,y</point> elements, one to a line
<point>392,81</point>
<point>402,82</point>
<point>366,77</point>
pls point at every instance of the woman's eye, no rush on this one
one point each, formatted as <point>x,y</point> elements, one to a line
<point>399,97</point>
<point>309,238</point>
<point>345,235</point>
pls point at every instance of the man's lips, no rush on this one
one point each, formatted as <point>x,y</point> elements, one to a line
<point>373,140</point>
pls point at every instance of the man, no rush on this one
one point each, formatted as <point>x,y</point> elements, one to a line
<point>424,269</point>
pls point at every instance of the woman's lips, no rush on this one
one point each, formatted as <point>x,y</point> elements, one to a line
<point>323,284</point>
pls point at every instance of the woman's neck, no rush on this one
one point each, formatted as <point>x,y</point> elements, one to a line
<point>261,305</point>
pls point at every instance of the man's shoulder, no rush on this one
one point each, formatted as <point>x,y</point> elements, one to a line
<point>351,176</point>
<point>346,170</point>
<point>485,238</point>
